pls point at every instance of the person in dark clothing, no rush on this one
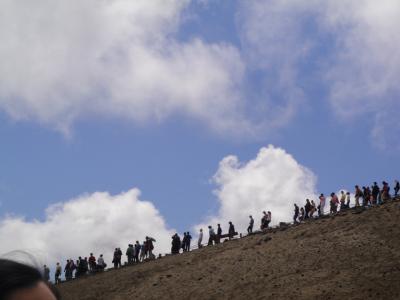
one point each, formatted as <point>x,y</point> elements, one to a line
<point>296,213</point>
<point>117,258</point>
<point>251,225</point>
<point>92,263</point>
<point>184,241</point>
<point>150,246</point>
<point>219,233</point>
<point>46,273</point>
<point>188,240</point>
<point>130,253</point>
<point>231,230</point>
<point>396,188</point>
<point>137,252</point>
<point>176,244</point>
<point>307,209</point>
<point>375,193</point>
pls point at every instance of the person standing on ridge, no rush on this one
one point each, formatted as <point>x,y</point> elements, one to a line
<point>199,245</point>
<point>396,187</point>
<point>231,230</point>
<point>296,213</point>
<point>212,237</point>
<point>307,208</point>
<point>321,204</point>
<point>150,246</point>
<point>219,233</point>
<point>46,273</point>
<point>357,195</point>
<point>57,274</point>
<point>250,228</point>
<point>188,240</point>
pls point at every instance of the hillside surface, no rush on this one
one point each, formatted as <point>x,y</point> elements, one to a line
<point>349,256</point>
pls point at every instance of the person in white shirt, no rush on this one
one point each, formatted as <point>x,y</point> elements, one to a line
<point>100,262</point>
<point>200,239</point>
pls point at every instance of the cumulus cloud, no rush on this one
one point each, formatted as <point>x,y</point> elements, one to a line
<point>348,46</point>
<point>66,60</point>
<point>273,181</point>
<point>90,223</point>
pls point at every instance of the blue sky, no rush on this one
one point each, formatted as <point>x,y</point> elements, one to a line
<point>302,96</point>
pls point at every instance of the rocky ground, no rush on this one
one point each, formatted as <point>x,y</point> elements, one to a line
<point>349,256</point>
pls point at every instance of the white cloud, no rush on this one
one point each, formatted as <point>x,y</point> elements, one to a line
<point>349,46</point>
<point>91,223</point>
<point>75,59</point>
<point>273,181</point>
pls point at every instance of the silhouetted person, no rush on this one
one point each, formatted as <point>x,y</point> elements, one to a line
<point>117,258</point>
<point>20,281</point>
<point>231,230</point>
<point>296,213</point>
<point>137,252</point>
<point>375,192</point>
<point>188,241</point>
<point>307,208</point>
<point>322,200</point>
<point>219,233</point>
<point>184,241</point>
<point>334,203</point>
<point>251,225</point>
<point>130,253</point>
<point>46,273</point>
<point>396,188</point>
<point>150,246</point>
<point>348,200</point>
<point>264,221</point>
<point>176,244</point>
<point>385,191</point>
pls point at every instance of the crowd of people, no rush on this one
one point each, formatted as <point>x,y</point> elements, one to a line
<point>139,252</point>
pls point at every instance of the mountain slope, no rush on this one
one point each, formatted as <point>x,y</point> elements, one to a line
<point>349,256</point>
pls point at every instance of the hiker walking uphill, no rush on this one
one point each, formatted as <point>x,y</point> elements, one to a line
<point>251,225</point>
<point>322,200</point>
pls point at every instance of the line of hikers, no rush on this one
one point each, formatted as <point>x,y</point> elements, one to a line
<point>135,253</point>
<point>365,196</point>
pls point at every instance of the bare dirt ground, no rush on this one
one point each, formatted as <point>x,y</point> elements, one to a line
<point>349,256</point>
